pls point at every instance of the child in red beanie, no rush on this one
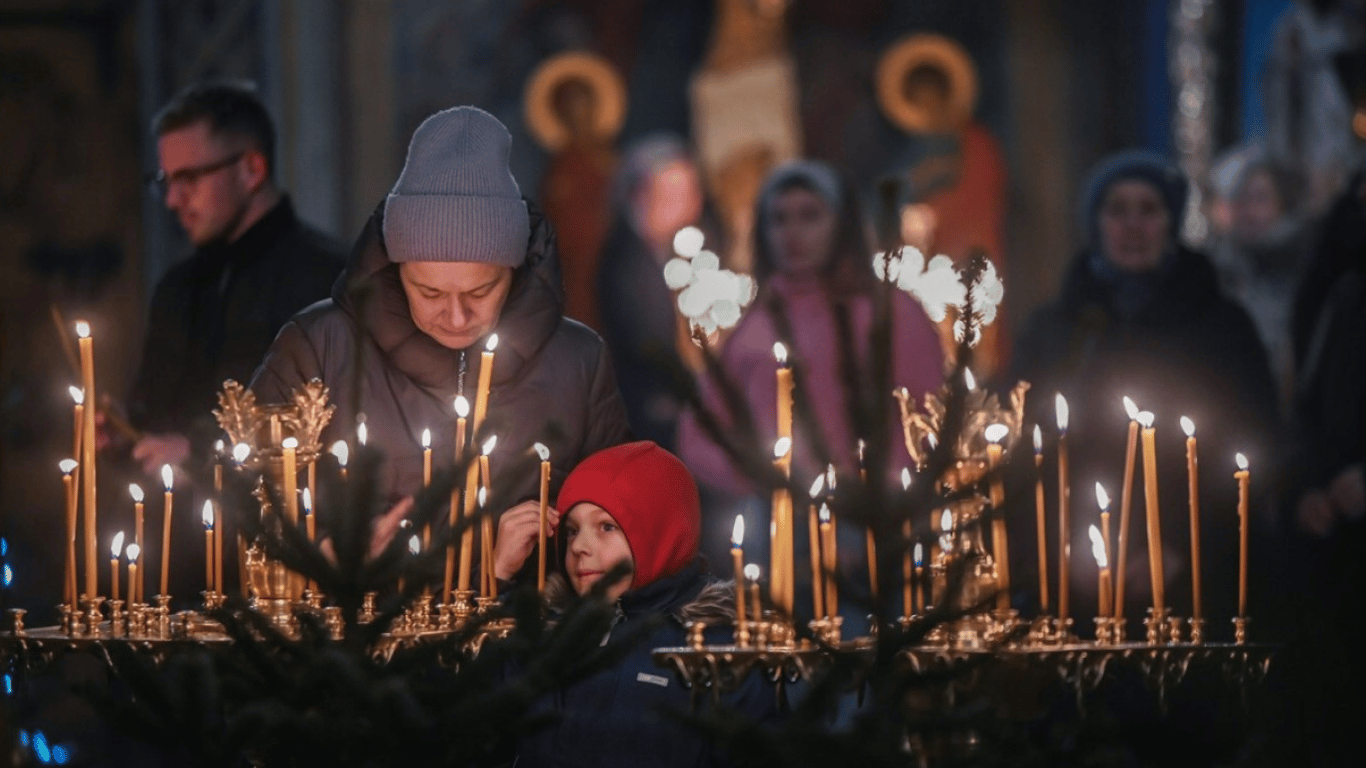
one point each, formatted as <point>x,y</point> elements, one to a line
<point>636,503</point>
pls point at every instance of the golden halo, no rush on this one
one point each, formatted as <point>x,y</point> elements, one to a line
<point>546,126</point>
<point>901,58</point>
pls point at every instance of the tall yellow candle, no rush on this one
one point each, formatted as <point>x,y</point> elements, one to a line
<point>289,451</point>
<point>1154,511</point>
<point>813,535</point>
<point>486,521</point>
<point>310,527</point>
<point>999,540</point>
<point>78,418</point>
<point>481,399</point>
<point>752,576</point>
<point>830,550</point>
<point>1193,487</point>
<point>134,581</point>
<point>462,410</point>
<point>544,453</point>
<point>1125,499</point>
<point>1098,550</point>
<point>781,530</point>
<point>218,527</point>
<point>737,553</point>
<point>88,456</point>
<point>135,490</point>
<point>1041,523</point>
<point>1243,478</point>
<point>918,603</point>
<point>68,466</point>
<point>1064,510</point>
<point>784,378</point>
<point>426,480</point>
<point>207,517</point>
<point>115,550</point>
<point>168,481</point>
<point>908,571</point>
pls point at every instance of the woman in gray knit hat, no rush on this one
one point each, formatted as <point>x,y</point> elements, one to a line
<point>452,256</point>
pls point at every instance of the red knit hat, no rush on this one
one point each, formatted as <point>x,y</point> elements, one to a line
<point>652,497</point>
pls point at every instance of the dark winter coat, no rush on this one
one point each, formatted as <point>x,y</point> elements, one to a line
<point>214,316</point>
<point>626,715</point>
<point>1177,347</point>
<point>552,378</point>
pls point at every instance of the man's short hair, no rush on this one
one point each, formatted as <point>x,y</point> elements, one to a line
<point>230,107</point>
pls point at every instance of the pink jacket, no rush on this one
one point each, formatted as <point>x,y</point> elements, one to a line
<point>747,358</point>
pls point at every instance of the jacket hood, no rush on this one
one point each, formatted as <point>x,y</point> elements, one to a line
<point>370,291</point>
<point>1184,286</point>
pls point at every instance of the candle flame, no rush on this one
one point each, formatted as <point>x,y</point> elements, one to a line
<point>752,572</point>
<point>996,433</point>
<point>483,496</point>
<point>781,447</point>
<point>969,379</point>
<point>240,452</point>
<point>167,476</point>
<point>117,549</point>
<point>1102,498</point>
<point>918,555</point>
<point>67,466</point>
<point>1146,419</point>
<point>946,521</point>
<point>905,479</point>
<point>817,486</point>
<point>306,498</point>
<point>133,551</point>
<point>83,329</point>
<point>1188,426</point>
<point>492,343</point>
<point>414,544</point>
<point>342,451</point>
<point>1242,461</point>
<point>830,477</point>
<point>290,443</point>
<point>542,451</point>
<point>824,514</point>
<point>1060,408</point>
<point>933,440</point>
<point>135,491</point>
<point>362,433</point>
<point>737,532</point>
<point>426,439</point>
<point>862,446</point>
<point>1098,547</point>
<point>1038,439</point>
<point>207,514</point>
<point>780,353</point>
<point>462,406</point>
<point>77,394</point>
<point>1130,408</point>
<point>489,444</point>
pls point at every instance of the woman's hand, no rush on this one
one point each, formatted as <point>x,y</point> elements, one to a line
<point>383,529</point>
<point>518,533</point>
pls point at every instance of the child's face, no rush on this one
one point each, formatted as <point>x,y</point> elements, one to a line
<point>596,545</point>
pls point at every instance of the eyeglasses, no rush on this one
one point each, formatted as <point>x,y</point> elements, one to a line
<point>160,183</point>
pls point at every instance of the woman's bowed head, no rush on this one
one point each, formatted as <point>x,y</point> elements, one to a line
<point>634,503</point>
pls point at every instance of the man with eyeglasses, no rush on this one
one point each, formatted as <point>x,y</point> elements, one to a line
<point>254,265</point>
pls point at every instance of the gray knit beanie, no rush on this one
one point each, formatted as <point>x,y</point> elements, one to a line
<point>456,199</point>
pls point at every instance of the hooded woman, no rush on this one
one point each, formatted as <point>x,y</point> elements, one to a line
<point>1141,315</point>
<point>634,504</point>
<point>452,256</point>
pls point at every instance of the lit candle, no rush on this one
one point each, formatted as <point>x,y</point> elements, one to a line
<point>218,469</point>
<point>114,552</point>
<point>918,607</point>
<point>813,535</point>
<point>1125,498</point>
<point>485,553</point>
<point>310,527</point>
<point>426,479</point>
<point>544,453</point>
<point>481,400</point>
<point>462,410</point>
<point>1242,477</point>
<point>1103,564</point>
<point>999,545</point>
<point>969,380</point>
<point>737,553</point>
<point>362,434</point>
<point>68,466</point>
<point>135,490</point>
<point>1064,510</point>
<point>207,517</point>
<point>830,548</point>
<point>870,542</point>
<point>752,576</point>
<point>342,452</point>
<point>1040,518</point>
<point>134,583</point>
<point>1193,488</point>
<point>784,377</point>
<point>288,452</point>
<point>218,524</point>
<point>240,453</point>
<point>1103,501</point>
<point>1154,514</point>
<point>907,572</point>
<point>486,520</point>
<point>779,563</point>
<point>78,418</point>
<point>168,481</point>
<point>88,456</point>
